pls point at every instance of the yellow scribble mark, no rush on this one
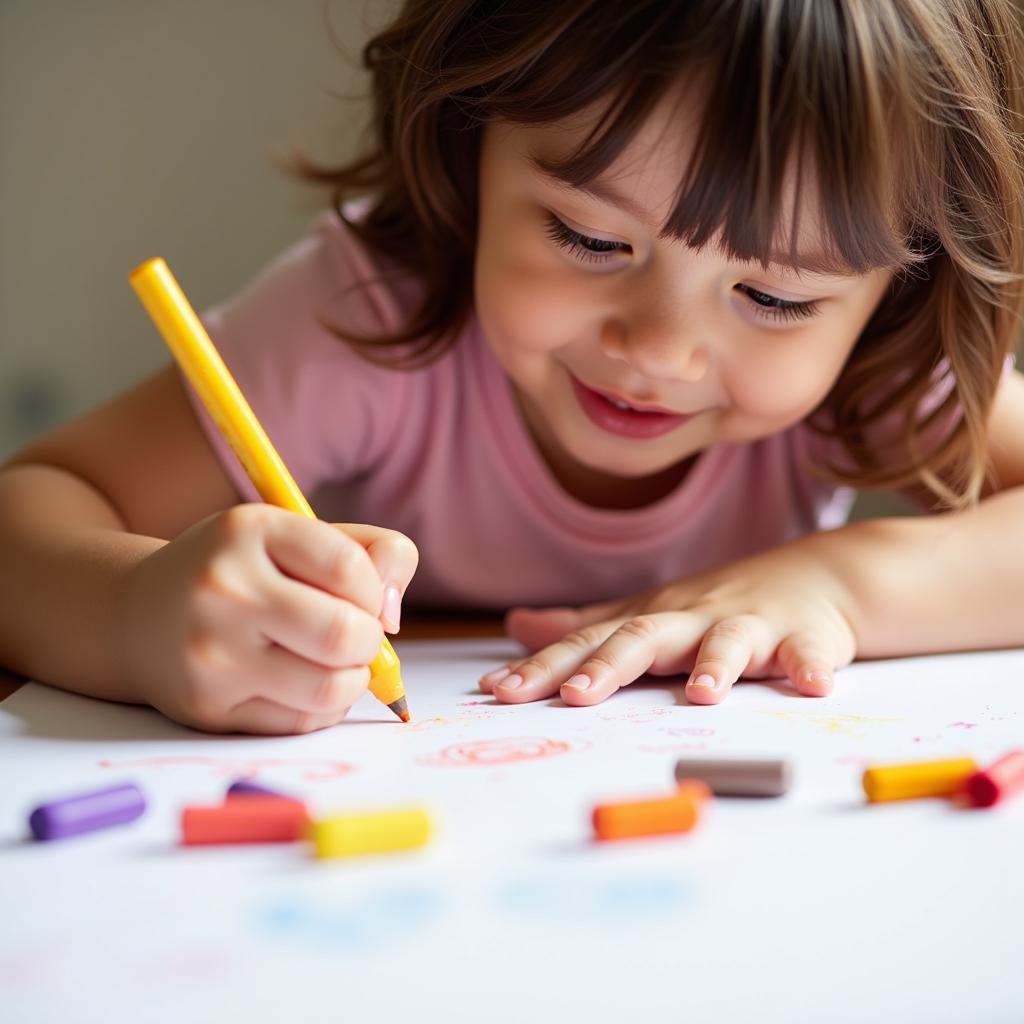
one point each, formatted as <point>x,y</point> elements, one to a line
<point>839,725</point>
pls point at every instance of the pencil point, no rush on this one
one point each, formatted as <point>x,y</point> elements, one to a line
<point>400,708</point>
<point>405,716</point>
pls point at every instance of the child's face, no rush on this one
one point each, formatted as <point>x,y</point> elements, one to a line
<point>648,321</point>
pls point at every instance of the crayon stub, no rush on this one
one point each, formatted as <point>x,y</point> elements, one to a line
<point>246,787</point>
<point>245,819</point>
<point>657,816</point>
<point>997,781</point>
<point>353,835</point>
<point>87,812</point>
<point>918,779</point>
<point>737,776</point>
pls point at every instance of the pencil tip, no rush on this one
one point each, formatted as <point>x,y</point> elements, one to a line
<point>400,708</point>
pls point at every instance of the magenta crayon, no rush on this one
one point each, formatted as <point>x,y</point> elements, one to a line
<point>998,781</point>
<point>87,812</point>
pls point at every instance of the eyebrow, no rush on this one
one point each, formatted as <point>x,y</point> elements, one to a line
<point>811,262</point>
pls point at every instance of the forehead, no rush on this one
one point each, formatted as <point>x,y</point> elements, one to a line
<point>646,178</point>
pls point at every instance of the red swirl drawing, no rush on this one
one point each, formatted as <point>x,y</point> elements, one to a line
<point>313,768</point>
<point>488,753</point>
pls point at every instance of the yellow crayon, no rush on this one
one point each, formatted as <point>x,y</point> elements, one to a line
<point>352,835</point>
<point>918,779</point>
<point>201,363</point>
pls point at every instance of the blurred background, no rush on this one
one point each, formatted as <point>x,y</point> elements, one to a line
<point>135,128</point>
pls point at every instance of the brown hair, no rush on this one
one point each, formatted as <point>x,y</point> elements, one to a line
<point>834,82</point>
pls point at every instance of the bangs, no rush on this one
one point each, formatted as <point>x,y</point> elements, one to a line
<point>799,116</point>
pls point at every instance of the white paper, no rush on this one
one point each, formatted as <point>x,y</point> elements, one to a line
<point>809,907</point>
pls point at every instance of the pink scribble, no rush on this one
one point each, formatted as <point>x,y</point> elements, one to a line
<point>691,730</point>
<point>317,768</point>
<point>487,753</point>
<point>471,703</point>
<point>963,725</point>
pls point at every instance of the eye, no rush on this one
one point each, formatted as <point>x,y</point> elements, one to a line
<point>582,247</point>
<point>773,308</point>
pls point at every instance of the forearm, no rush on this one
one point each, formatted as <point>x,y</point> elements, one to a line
<point>925,584</point>
<point>64,555</point>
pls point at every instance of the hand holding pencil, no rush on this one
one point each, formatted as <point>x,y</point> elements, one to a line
<point>277,618</point>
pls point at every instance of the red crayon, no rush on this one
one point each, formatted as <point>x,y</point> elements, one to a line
<point>245,819</point>
<point>997,781</point>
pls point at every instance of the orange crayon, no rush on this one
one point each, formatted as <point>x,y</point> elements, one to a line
<point>245,819</point>
<point>656,816</point>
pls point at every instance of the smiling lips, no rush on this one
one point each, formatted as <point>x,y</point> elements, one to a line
<point>625,421</point>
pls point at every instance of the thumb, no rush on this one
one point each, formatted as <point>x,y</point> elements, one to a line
<point>538,627</point>
<point>395,558</point>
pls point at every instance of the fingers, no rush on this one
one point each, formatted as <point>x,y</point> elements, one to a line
<point>535,628</point>
<point>589,665</point>
<point>304,686</point>
<point>724,653</point>
<point>542,675</point>
<point>805,660</point>
<point>267,718</point>
<point>318,627</point>
<point>320,556</point>
<point>395,558</point>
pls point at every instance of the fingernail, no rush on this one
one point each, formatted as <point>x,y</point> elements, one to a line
<point>496,676</point>
<point>392,610</point>
<point>704,680</point>
<point>579,682</point>
<point>819,676</point>
<point>512,682</point>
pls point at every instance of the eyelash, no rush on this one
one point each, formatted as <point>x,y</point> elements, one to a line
<point>595,250</point>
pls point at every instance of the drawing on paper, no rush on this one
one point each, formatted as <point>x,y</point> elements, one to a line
<point>487,753</point>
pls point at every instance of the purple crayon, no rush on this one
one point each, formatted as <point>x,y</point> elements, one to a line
<point>87,812</point>
<point>246,787</point>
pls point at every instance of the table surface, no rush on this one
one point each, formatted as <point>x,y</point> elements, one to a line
<point>811,906</point>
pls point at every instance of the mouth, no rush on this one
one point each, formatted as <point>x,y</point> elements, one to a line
<point>617,416</point>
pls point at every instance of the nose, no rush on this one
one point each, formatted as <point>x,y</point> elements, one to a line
<point>654,349</point>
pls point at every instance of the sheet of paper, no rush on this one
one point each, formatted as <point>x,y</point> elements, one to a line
<point>809,907</point>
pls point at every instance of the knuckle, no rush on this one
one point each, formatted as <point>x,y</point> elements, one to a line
<point>343,561</point>
<point>732,629</point>
<point>534,666</point>
<point>640,627</point>
<point>239,521</point>
<point>220,581</point>
<point>583,639</point>
<point>604,661</point>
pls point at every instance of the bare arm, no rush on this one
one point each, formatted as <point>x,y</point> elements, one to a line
<point>79,508</point>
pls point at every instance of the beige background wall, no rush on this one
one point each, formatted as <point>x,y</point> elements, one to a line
<point>133,128</point>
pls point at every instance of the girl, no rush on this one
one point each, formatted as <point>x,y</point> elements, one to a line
<point>637,292</point>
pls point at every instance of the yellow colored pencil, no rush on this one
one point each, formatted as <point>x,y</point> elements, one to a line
<point>201,363</point>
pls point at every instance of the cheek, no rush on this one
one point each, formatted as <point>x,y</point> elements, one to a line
<point>783,383</point>
<point>525,302</point>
